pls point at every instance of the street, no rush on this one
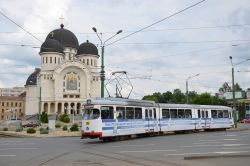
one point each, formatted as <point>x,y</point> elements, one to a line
<point>160,150</point>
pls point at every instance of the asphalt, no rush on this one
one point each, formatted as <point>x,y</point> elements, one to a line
<point>201,149</point>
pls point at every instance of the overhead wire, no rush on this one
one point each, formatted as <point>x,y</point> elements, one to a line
<point>161,20</point>
<point>19,26</point>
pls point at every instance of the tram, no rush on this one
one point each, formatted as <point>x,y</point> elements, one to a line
<point>112,118</point>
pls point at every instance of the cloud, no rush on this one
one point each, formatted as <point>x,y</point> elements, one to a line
<point>166,66</point>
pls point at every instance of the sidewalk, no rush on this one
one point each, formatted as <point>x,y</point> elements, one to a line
<point>241,127</point>
<point>24,134</point>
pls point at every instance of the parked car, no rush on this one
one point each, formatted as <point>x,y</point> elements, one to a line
<point>246,120</point>
<point>31,124</point>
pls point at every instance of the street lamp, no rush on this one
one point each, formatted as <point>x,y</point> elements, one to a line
<point>233,87</point>
<point>187,84</point>
<point>102,57</point>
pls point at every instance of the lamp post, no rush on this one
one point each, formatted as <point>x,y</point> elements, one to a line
<point>102,57</point>
<point>187,84</point>
<point>233,88</point>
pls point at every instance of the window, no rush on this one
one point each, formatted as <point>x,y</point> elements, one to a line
<point>43,60</point>
<point>188,114</point>
<point>71,96</point>
<point>91,62</point>
<point>46,59</point>
<point>130,113</point>
<point>181,113</point>
<point>58,60</point>
<point>65,96</point>
<point>138,113</point>
<point>154,113</point>
<point>11,104</point>
<point>50,59</point>
<point>91,114</point>
<point>214,114</point>
<point>165,113</point>
<point>150,113</point>
<point>146,113</point>
<point>83,61</point>
<point>107,112</point>
<point>220,114</point>
<point>225,112</point>
<point>202,114</point>
<point>77,96</point>
<point>55,60</point>
<point>2,103</point>
<point>199,113</point>
<point>2,110</point>
<point>173,113</point>
<point>87,61</point>
<point>7,104</point>
<point>16,104</point>
<point>120,112</point>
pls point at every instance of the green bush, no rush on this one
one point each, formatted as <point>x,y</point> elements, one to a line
<point>44,131</point>
<point>5,129</point>
<point>74,127</point>
<point>19,129</point>
<point>58,125</point>
<point>44,117</point>
<point>66,119</point>
<point>31,130</point>
<point>65,128</point>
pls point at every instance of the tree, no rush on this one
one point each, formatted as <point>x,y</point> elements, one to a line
<point>151,98</point>
<point>44,117</point>
<point>178,97</point>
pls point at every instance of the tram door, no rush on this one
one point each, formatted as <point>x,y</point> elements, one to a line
<point>205,119</point>
<point>150,121</point>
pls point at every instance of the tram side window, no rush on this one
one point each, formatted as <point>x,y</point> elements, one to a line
<point>146,113</point>
<point>225,112</point>
<point>173,113</point>
<point>107,112</point>
<point>121,112</point>
<point>130,113</point>
<point>154,113</point>
<point>165,113</point>
<point>199,113</point>
<point>138,113</point>
<point>181,113</point>
<point>214,113</point>
<point>188,114</point>
<point>220,114</point>
<point>150,113</point>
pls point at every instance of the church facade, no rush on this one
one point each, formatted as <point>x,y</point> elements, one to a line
<point>68,75</point>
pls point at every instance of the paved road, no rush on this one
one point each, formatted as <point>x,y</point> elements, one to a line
<point>161,150</point>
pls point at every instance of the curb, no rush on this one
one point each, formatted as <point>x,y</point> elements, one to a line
<point>214,156</point>
<point>238,129</point>
<point>4,134</point>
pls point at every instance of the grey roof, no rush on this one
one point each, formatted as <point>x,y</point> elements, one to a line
<point>87,48</point>
<point>51,45</point>
<point>64,37</point>
<point>32,79</point>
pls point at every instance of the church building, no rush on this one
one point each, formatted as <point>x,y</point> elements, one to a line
<point>68,75</point>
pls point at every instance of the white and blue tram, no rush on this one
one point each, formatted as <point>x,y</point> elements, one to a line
<point>106,118</point>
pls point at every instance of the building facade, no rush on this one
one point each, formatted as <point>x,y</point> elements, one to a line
<point>68,75</point>
<point>15,91</point>
<point>12,107</point>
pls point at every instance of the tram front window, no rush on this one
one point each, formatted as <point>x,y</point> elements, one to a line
<point>91,114</point>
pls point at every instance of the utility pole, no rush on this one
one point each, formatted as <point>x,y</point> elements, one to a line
<point>187,85</point>
<point>102,57</point>
<point>40,103</point>
<point>233,88</point>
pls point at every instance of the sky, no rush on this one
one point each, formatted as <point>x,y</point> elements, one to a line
<point>161,58</point>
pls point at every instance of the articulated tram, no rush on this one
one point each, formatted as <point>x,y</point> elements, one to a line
<point>108,118</point>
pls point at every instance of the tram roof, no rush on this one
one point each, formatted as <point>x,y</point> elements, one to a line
<point>193,106</point>
<point>122,101</point>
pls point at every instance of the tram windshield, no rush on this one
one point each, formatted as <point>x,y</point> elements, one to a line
<point>91,113</point>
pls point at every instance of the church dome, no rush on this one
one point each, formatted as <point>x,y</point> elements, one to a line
<point>32,79</point>
<point>64,37</point>
<point>87,48</point>
<point>51,45</point>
